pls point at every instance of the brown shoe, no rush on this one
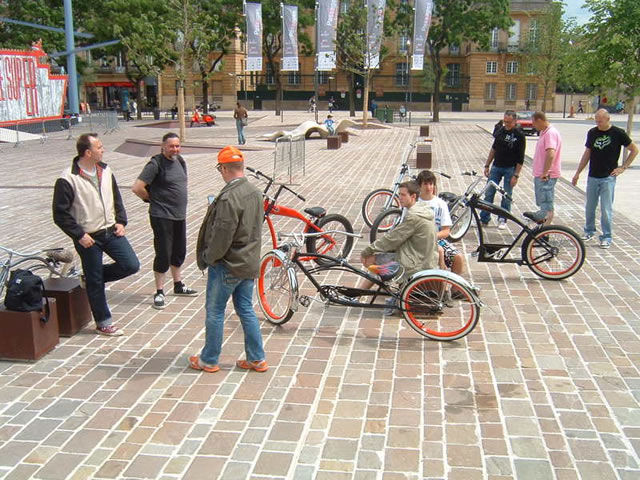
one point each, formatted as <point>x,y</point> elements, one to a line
<point>196,364</point>
<point>258,366</point>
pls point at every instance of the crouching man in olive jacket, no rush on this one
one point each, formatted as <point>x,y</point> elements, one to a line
<point>229,245</point>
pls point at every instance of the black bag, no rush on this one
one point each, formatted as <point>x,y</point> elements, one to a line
<point>25,292</point>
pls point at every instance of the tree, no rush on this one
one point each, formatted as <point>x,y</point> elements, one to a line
<point>43,12</point>
<point>546,50</point>
<point>460,21</point>
<point>611,49</point>
<point>352,47</point>
<point>144,30</point>
<point>214,23</point>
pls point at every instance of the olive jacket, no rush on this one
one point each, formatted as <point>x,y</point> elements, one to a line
<point>231,232</point>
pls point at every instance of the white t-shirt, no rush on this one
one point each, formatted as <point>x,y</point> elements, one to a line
<point>440,210</point>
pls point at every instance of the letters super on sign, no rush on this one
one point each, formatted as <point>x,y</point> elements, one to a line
<point>28,91</point>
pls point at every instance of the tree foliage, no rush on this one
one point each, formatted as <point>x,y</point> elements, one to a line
<point>460,21</point>
<point>610,52</point>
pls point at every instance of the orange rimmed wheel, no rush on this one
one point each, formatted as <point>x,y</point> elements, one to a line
<point>275,289</point>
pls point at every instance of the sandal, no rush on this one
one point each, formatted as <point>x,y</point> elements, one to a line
<point>258,366</point>
<point>196,364</point>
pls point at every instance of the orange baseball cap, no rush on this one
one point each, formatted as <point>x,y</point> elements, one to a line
<point>230,154</point>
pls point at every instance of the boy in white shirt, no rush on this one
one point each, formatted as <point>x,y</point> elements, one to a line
<point>449,257</point>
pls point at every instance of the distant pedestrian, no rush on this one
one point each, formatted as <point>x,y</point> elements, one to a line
<point>312,104</point>
<point>242,120</point>
<point>580,107</point>
<point>527,104</point>
<point>602,151</point>
<point>88,207</point>
<point>228,247</point>
<point>546,167</point>
<point>374,107</point>
<point>174,111</point>
<point>332,104</point>
<point>163,183</point>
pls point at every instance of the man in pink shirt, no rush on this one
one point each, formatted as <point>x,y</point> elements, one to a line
<point>546,167</point>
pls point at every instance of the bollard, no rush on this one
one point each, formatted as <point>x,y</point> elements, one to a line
<point>70,136</point>
<point>43,137</point>
<point>17,144</point>
<point>409,118</point>
<point>90,122</point>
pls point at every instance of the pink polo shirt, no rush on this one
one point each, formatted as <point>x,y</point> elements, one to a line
<point>549,138</point>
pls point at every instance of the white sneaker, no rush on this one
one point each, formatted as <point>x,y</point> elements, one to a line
<point>502,225</point>
<point>158,301</point>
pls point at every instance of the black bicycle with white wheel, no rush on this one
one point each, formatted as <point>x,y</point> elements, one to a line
<point>437,304</point>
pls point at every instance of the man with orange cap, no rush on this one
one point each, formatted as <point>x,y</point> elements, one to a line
<point>229,244</point>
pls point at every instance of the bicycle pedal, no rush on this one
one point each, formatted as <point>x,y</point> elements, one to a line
<point>304,300</point>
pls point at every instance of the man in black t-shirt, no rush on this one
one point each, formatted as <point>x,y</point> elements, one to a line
<point>507,155</point>
<point>602,151</point>
<point>163,183</point>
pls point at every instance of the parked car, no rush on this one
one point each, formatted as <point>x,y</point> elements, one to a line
<point>525,122</point>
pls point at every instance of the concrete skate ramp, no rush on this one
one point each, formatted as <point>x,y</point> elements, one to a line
<point>147,148</point>
<point>308,128</point>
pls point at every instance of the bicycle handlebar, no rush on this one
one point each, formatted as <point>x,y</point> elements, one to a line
<point>501,190</point>
<point>472,173</point>
<point>445,175</point>
<point>258,174</point>
<point>58,254</point>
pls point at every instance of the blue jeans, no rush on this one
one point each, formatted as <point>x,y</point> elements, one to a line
<point>220,286</point>
<point>600,189</point>
<point>96,274</point>
<point>545,193</point>
<point>240,128</point>
<point>496,174</point>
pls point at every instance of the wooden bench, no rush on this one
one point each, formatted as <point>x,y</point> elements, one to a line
<point>25,336</point>
<point>424,155</point>
<point>334,142</point>
<point>344,137</point>
<point>424,130</point>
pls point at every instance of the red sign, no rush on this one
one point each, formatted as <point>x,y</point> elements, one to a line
<point>28,91</point>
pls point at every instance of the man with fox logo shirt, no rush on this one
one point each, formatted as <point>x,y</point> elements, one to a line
<point>602,151</point>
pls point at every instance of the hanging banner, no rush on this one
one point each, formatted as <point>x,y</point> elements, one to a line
<point>28,90</point>
<point>375,21</point>
<point>421,24</point>
<point>326,24</point>
<point>290,38</point>
<point>254,37</point>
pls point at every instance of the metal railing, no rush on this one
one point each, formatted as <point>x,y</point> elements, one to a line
<point>289,160</point>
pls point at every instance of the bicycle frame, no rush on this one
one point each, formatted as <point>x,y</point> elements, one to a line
<point>7,265</point>
<point>496,252</point>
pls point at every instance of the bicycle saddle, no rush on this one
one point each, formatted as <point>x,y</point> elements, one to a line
<point>317,212</point>
<point>386,271</point>
<point>448,196</point>
<point>538,217</point>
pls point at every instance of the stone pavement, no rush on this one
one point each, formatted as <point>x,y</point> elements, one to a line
<point>547,386</point>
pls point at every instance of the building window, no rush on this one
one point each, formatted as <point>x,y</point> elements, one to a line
<point>402,74</point>
<point>271,79</point>
<point>403,48</point>
<point>533,33</point>
<point>454,49</point>
<point>489,91</point>
<point>492,67</point>
<point>453,75</point>
<point>514,36</point>
<point>294,77</point>
<point>511,91</point>
<point>494,38</point>
<point>323,78</point>
<point>531,68</point>
<point>512,67</point>
<point>344,6</point>
<point>532,91</point>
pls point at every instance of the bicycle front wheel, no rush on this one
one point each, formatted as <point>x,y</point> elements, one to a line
<point>386,221</point>
<point>276,293</point>
<point>377,202</point>
<point>439,308</point>
<point>554,252</point>
<point>461,221</point>
<point>332,244</point>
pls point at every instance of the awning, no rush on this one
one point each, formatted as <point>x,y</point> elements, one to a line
<point>109,84</point>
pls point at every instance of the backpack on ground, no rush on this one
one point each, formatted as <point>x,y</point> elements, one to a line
<point>25,292</point>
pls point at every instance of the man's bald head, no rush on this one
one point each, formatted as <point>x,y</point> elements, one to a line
<point>602,120</point>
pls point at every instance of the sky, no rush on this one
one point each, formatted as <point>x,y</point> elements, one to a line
<point>573,8</point>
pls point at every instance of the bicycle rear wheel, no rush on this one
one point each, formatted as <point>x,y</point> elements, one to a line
<point>385,222</point>
<point>276,293</point>
<point>560,257</point>
<point>333,244</point>
<point>461,221</point>
<point>377,202</point>
<point>439,308</point>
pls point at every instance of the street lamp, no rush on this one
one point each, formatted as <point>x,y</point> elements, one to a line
<point>408,93</point>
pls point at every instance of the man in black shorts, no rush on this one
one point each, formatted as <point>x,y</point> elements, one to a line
<point>163,183</point>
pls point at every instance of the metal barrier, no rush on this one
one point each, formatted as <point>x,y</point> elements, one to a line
<point>289,160</point>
